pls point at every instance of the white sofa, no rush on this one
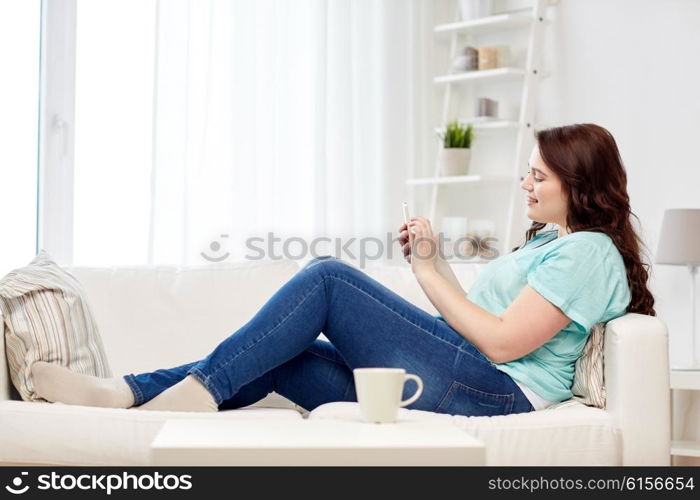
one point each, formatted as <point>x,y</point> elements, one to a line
<point>158,317</point>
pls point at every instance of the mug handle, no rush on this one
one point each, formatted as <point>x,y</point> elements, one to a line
<point>419,391</point>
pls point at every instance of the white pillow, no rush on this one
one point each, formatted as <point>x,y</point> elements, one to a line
<point>48,319</point>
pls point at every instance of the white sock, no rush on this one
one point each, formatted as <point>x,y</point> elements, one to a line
<point>57,383</point>
<point>187,395</point>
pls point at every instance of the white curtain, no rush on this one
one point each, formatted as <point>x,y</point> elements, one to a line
<point>202,123</point>
<point>293,117</point>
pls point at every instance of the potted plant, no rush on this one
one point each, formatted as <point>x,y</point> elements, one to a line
<point>455,153</point>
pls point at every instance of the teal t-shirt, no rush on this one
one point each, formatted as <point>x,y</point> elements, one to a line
<point>583,274</point>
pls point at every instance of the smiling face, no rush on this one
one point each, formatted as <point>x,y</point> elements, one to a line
<point>543,185</point>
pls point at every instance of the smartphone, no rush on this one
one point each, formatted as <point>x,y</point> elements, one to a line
<point>407,217</point>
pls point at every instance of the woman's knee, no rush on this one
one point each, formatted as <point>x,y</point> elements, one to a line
<point>327,262</point>
<point>319,259</point>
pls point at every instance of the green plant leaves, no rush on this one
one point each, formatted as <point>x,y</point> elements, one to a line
<point>457,136</point>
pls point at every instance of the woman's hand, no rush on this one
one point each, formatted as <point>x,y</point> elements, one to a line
<point>442,267</point>
<point>405,242</point>
<point>424,245</point>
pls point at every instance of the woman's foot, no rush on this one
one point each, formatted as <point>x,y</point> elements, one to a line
<point>187,395</point>
<point>57,383</point>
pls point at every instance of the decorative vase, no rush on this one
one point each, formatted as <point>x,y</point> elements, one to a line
<point>468,60</point>
<point>487,108</point>
<point>454,230</point>
<point>480,231</point>
<point>454,161</point>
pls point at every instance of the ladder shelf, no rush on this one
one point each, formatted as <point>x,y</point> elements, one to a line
<point>487,24</point>
<point>477,75</point>
<point>462,33</point>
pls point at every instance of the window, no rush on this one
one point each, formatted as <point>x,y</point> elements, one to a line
<point>197,125</point>
<point>20,25</point>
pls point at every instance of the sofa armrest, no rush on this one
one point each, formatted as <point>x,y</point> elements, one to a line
<point>4,372</point>
<point>636,370</point>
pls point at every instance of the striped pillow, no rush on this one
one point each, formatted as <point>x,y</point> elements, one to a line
<point>588,386</point>
<point>48,319</point>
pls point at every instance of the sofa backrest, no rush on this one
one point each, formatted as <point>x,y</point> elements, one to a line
<point>153,317</point>
<point>158,317</point>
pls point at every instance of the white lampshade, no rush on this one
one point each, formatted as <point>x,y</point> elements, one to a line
<point>679,241</point>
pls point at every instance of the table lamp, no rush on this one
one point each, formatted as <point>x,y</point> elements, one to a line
<point>679,245</point>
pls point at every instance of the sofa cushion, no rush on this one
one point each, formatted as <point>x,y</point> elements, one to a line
<point>48,319</point>
<point>572,435</point>
<point>58,434</point>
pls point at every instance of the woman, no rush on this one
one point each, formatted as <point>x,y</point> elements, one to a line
<point>509,346</point>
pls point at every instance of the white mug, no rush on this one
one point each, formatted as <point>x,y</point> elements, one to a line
<point>379,392</point>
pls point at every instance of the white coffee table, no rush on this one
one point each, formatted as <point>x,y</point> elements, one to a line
<point>313,442</point>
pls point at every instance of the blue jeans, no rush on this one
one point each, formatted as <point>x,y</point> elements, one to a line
<point>368,325</point>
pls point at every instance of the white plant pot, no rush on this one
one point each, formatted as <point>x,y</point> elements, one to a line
<point>454,161</point>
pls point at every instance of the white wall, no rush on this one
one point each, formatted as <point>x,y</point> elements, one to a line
<point>634,68</point>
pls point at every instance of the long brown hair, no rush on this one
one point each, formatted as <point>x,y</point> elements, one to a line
<point>586,159</point>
